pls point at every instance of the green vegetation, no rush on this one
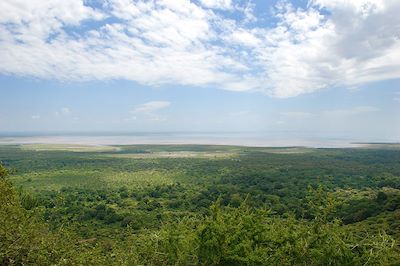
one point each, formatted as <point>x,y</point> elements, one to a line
<point>199,205</point>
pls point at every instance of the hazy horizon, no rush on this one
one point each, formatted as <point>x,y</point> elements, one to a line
<point>251,139</point>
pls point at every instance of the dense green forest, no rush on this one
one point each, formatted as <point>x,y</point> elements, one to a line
<point>199,205</point>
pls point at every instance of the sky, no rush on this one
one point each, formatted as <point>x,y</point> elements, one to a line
<point>317,67</point>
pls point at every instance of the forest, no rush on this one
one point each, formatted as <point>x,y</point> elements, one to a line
<point>199,205</point>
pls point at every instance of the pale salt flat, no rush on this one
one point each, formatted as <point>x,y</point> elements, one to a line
<point>237,139</point>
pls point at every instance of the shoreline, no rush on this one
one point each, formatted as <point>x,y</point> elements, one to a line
<point>198,139</point>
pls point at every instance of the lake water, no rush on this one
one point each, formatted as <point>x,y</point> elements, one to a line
<point>243,139</point>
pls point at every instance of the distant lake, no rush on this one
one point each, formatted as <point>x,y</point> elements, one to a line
<point>276,139</point>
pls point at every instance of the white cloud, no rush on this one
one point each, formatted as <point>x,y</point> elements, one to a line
<point>35,19</point>
<point>149,111</point>
<point>330,43</point>
<point>246,38</point>
<point>64,111</point>
<point>35,117</point>
<point>217,4</point>
<point>151,107</point>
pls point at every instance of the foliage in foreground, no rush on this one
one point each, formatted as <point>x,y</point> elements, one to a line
<point>227,236</point>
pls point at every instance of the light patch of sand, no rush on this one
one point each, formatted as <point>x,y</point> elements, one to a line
<point>294,150</point>
<point>175,154</point>
<point>68,147</point>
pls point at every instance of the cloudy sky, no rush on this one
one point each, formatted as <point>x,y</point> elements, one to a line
<point>327,66</point>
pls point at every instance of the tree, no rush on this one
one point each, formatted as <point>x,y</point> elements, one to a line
<point>3,171</point>
<point>381,197</point>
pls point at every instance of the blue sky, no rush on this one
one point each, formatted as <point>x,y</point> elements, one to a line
<point>309,67</point>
